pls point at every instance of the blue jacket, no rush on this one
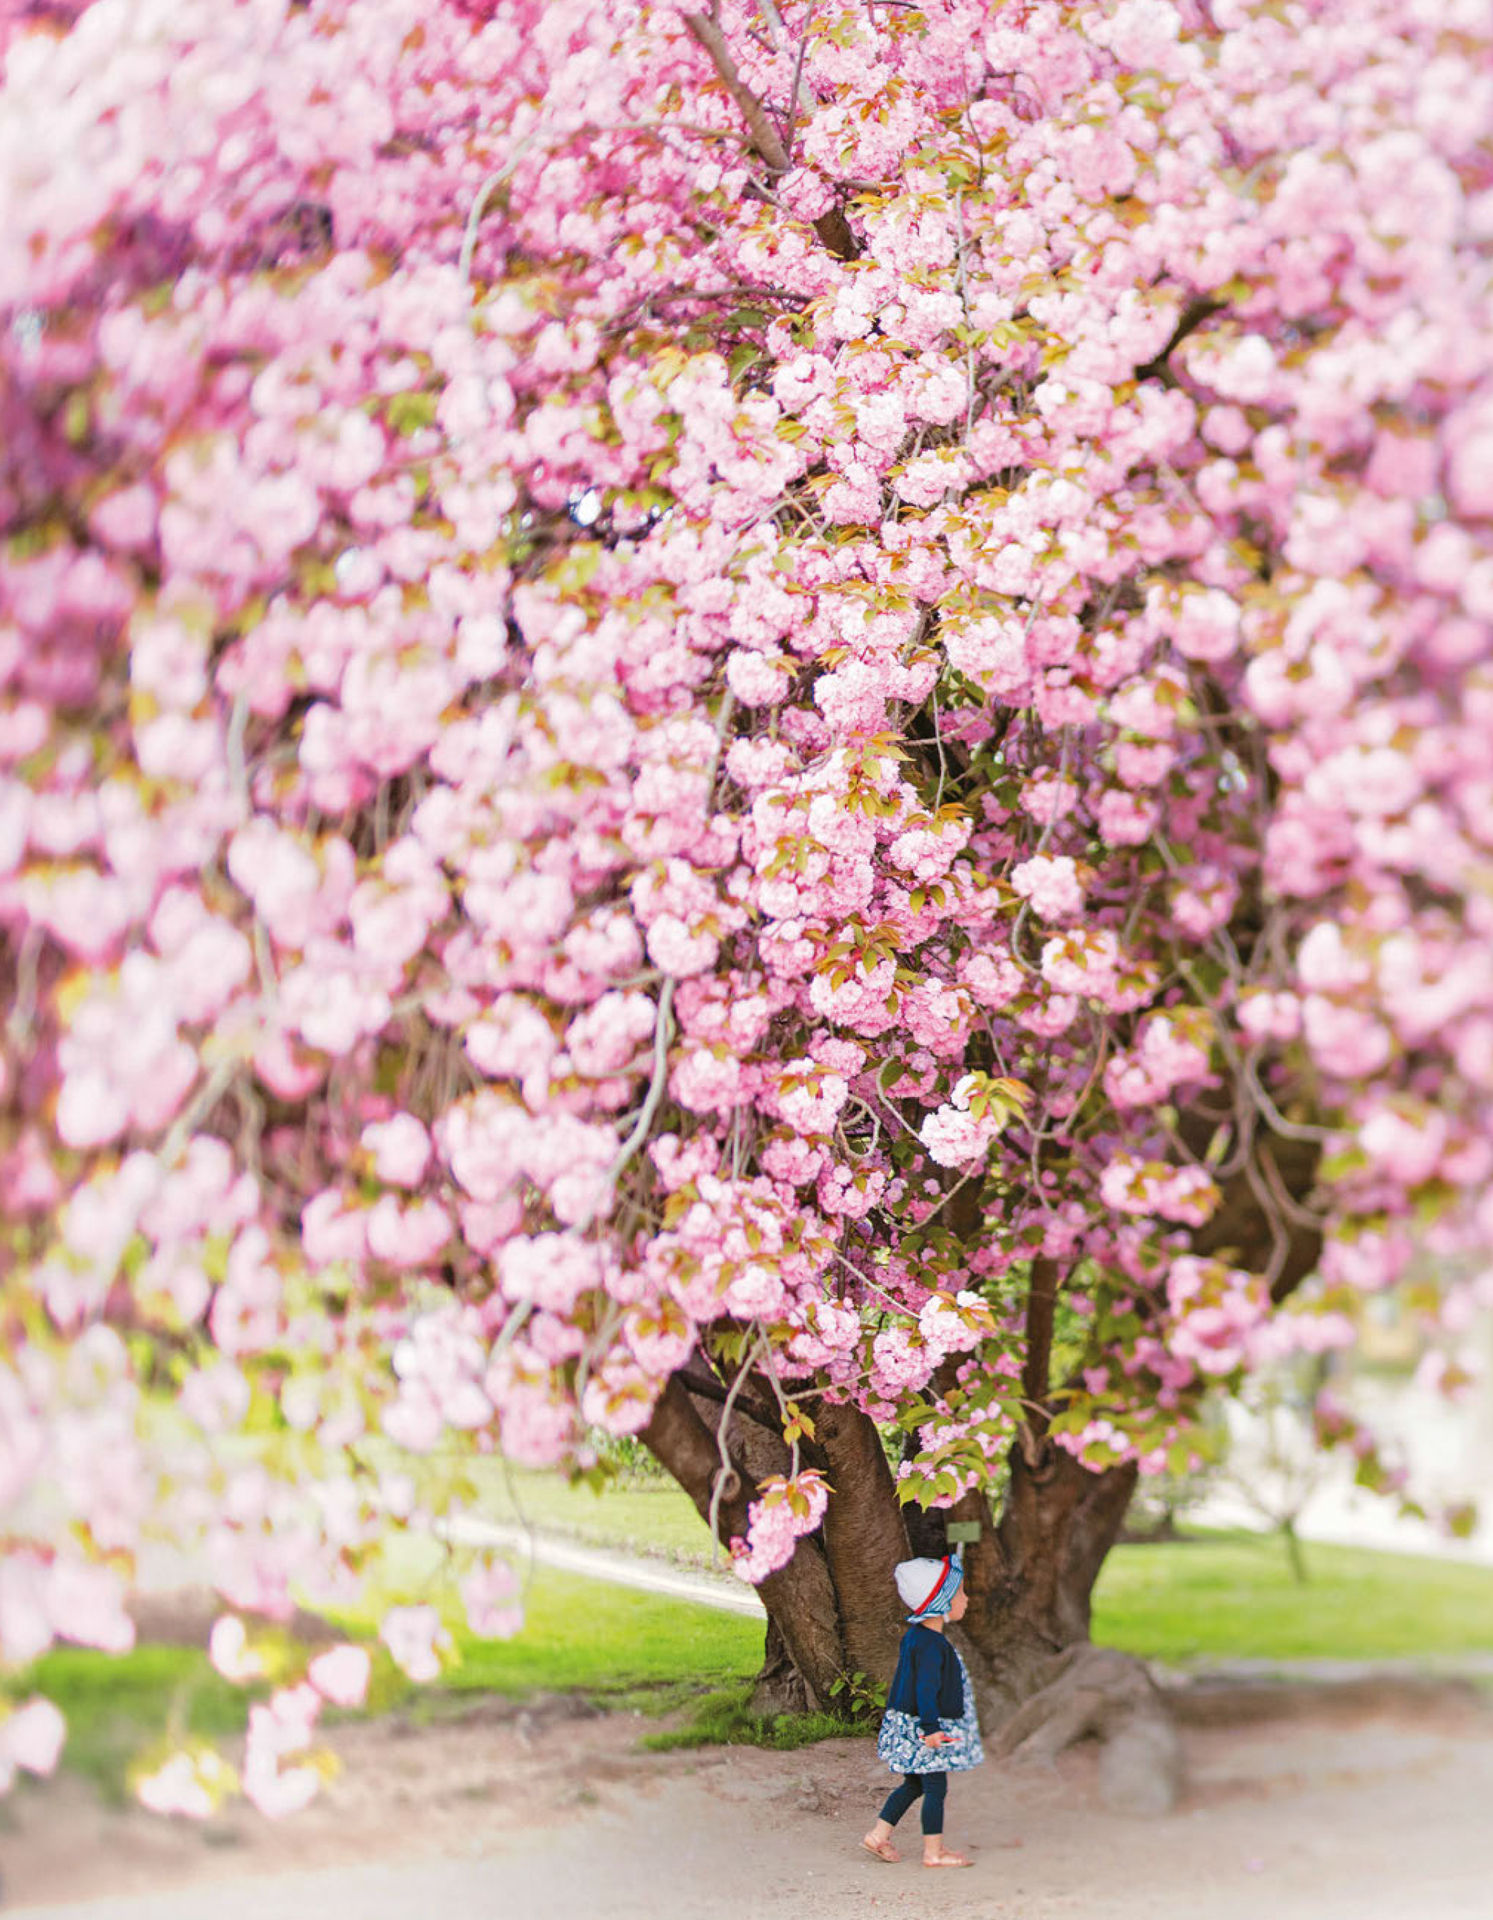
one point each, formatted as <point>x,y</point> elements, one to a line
<point>927,1683</point>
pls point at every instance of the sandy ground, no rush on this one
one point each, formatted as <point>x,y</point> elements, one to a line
<point>1349,1811</point>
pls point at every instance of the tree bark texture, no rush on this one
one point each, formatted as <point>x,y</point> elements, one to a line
<point>1031,1588</point>
<point>799,1598</point>
<point>833,1610</point>
<point>864,1538</point>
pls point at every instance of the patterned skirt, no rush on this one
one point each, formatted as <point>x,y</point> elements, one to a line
<point>900,1742</point>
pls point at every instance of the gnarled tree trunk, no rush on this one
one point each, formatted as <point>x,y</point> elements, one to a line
<point>833,1611</point>
<point>1031,1574</point>
<point>800,1598</point>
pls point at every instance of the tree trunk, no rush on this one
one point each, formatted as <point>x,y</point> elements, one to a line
<point>833,1611</point>
<point>780,1687</point>
<point>799,1598</point>
<point>1031,1576</point>
<point>1043,1684</point>
<point>1294,1553</point>
<point>864,1538</point>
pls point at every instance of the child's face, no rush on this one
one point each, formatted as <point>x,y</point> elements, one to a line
<point>958,1605</point>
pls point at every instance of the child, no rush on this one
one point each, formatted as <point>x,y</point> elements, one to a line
<point>930,1729</point>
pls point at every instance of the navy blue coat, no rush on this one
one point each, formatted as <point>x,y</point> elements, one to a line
<point>927,1682</point>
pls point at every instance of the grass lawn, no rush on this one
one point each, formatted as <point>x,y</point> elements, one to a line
<point>647,1516</point>
<point>117,1705</point>
<point>586,1636</point>
<point>1230,1596</point>
<point>619,1646</point>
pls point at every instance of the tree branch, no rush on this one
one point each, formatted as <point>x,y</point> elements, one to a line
<point>726,1484</point>
<point>1041,1313</point>
<point>754,1410</point>
<point>705,28</point>
<point>682,1443</point>
<point>707,31</point>
<point>1193,316</point>
<point>663,1031</point>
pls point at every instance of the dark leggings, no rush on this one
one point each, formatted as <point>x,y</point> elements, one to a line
<point>932,1786</point>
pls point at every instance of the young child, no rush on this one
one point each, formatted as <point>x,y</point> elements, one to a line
<point>930,1729</point>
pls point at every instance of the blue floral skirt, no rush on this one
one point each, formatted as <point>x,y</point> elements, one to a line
<point>900,1742</point>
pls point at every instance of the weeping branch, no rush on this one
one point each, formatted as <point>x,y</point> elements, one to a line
<point>663,1032</point>
<point>704,1387</point>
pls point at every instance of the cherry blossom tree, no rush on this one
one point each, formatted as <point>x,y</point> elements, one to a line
<point>762,724</point>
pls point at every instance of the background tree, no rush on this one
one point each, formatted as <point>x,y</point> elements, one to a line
<point>751,725</point>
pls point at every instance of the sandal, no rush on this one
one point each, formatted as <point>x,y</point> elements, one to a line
<point>882,1850</point>
<point>949,1860</point>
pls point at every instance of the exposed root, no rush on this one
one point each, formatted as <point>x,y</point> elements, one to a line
<point>780,1687</point>
<point>1095,1693</point>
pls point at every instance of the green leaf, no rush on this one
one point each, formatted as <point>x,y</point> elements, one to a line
<point>409,412</point>
<point>75,419</point>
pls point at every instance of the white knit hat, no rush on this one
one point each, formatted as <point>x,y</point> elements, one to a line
<point>922,1582</point>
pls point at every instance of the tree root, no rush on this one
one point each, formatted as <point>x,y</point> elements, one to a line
<point>780,1687</point>
<point>1097,1693</point>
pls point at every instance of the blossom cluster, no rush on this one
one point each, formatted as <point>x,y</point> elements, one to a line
<point>784,1512</point>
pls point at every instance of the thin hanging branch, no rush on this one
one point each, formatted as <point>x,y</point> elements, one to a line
<point>663,1032</point>
<point>726,1483</point>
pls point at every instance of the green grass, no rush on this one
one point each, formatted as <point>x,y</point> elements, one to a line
<point>116,1705</point>
<point>724,1719</point>
<point>1232,1597</point>
<point>582,1636</point>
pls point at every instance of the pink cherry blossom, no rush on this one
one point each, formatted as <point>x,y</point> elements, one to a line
<point>340,1675</point>
<point>32,1736</point>
<point>189,1783</point>
<point>415,1637</point>
<point>230,1652</point>
<point>489,1594</point>
<point>1052,884</point>
<point>400,1149</point>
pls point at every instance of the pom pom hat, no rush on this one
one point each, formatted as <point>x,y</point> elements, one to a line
<point>928,1586</point>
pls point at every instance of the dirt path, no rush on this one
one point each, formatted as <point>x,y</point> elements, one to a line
<point>1345,1813</point>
